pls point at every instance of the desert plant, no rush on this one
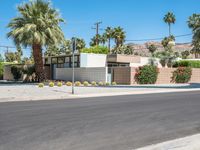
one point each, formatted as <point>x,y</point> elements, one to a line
<point>93,83</point>
<point>68,83</point>
<point>37,25</point>
<point>59,84</point>
<point>85,83</point>
<point>146,74</point>
<point>107,84</point>
<point>114,83</point>
<point>100,84</point>
<point>51,84</point>
<point>41,85</point>
<point>17,72</point>
<point>77,83</point>
<point>182,75</point>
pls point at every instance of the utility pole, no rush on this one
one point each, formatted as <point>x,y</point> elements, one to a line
<point>97,31</point>
<point>73,51</point>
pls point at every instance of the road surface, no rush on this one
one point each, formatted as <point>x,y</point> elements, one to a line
<point>103,123</point>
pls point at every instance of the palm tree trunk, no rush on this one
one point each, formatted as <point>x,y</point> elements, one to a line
<point>39,66</point>
<point>169,29</point>
<point>109,45</point>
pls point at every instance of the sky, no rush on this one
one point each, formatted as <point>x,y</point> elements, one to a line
<point>141,19</point>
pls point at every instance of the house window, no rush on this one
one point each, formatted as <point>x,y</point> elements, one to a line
<point>54,60</point>
<point>60,65</point>
<point>61,60</point>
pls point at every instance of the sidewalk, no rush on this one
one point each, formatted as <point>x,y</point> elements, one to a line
<point>187,143</point>
<point>32,92</point>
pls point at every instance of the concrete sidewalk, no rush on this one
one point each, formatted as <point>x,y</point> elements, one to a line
<point>187,143</point>
<point>32,92</point>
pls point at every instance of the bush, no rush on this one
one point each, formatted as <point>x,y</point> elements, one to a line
<point>85,83</point>
<point>59,84</point>
<point>1,70</point>
<point>100,84</point>
<point>146,74</point>
<point>69,83</point>
<point>96,50</point>
<point>51,84</point>
<point>41,85</point>
<point>187,63</point>
<point>17,72</point>
<point>77,83</point>
<point>114,83</point>
<point>107,83</point>
<point>182,75</point>
<point>93,83</point>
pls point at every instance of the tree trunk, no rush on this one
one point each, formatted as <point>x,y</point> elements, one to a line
<point>169,29</point>
<point>39,66</point>
<point>109,45</point>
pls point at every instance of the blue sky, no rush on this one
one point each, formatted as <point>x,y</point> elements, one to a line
<point>140,19</point>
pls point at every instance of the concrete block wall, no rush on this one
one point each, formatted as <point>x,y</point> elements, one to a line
<point>125,75</point>
<point>96,74</point>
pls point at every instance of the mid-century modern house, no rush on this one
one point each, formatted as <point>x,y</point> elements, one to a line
<point>93,67</point>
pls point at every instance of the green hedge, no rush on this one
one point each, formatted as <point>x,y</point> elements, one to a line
<point>146,75</point>
<point>1,70</point>
<point>95,50</point>
<point>187,63</point>
<point>182,75</point>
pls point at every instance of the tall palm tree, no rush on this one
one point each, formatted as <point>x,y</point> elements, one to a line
<point>109,35</point>
<point>194,24</point>
<point>169,18</point>
<point>119,36</point>
<point>80,43</point>
<point>36,26</point>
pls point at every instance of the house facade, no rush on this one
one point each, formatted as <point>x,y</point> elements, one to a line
<point>90,67</point>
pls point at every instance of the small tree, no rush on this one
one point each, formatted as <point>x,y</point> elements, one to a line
<point>17,72</point>
<point>152,48</point>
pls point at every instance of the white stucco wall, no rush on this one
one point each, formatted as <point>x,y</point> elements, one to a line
<point>96,74</point>
<point>92,60</point>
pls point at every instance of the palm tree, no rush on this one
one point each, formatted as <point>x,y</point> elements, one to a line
<point>194,24</point>
<point>36,26</point>
<point>119,35</point>
<point>169,18</point>
<point>80,43</point>
<point>109,35</point>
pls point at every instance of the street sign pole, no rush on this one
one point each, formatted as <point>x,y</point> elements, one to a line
<point>73,51</point>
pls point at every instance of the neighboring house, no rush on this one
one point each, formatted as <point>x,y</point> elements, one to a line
<point>91,67</point>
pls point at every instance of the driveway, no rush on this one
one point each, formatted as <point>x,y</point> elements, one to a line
<point>103,123</point>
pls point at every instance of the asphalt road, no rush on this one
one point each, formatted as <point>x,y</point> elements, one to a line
<point>104,123</point>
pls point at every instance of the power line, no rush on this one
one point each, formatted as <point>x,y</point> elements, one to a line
<point>155,39</point>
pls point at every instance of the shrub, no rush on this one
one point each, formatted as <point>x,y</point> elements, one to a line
<point>41,85</point>
<point>77,83</point>
<point>59,84</point>
<point>107,83</point>
<point>146,74</point>
<point>96,50</point>
<point>114,83</point>
<point>187,63</point>
<point>1,70</point>
<point>100,83</point>
<point>17,72</point>
<point>51,84</point>
<point>93,83</point>
<point>69,83</point>
<point>182,75</point>
<point>85,83</point>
